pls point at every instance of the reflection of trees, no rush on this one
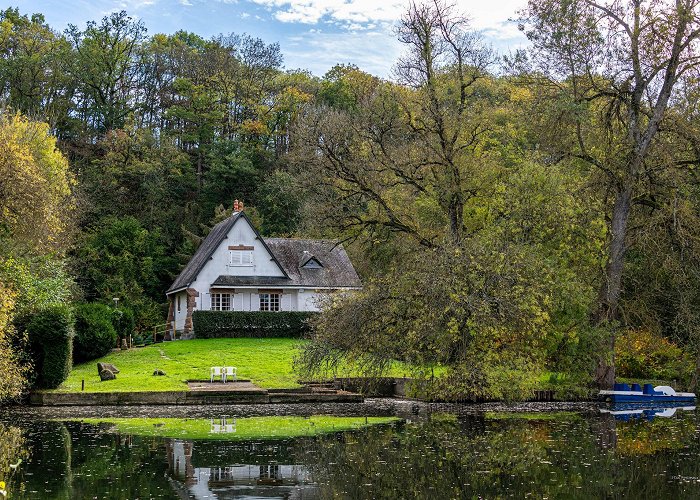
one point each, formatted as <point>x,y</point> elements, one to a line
<point>453,458</point>
<point>12,450</point>
<point>639,437</point>
<point>50,463</point>
<point>75,460</point>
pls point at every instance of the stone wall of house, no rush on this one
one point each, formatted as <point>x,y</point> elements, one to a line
<point>192,295</point>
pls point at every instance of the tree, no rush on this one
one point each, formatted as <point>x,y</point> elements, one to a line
<point>33,61</point>
<point>35,186</point>
<point>492,248</point>
<point>105,67</point>
<point>119,258</point>
<point>278,201</point>
<point>614,69</point>
<point>12,372</point>
<point>424,144</point>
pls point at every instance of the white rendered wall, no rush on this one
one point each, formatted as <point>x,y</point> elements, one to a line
<point>249,300</point>
<point>182,313</point>
<point>240,234</point>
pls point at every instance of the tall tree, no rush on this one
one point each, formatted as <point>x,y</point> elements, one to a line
<point>35,187</point>
<point>614,68</point>
<point>389,148</point>
<point>33,60</point>
<point>105,67</point>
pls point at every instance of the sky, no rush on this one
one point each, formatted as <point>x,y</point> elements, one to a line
<point>313,34</point>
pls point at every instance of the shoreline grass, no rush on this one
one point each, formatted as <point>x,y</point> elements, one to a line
<point>249,428</point>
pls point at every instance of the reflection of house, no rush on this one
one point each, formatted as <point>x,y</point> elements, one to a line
<point>235,269</point>
<point>234,481</point>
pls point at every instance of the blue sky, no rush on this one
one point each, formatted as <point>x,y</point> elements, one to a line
<point>313,34</point>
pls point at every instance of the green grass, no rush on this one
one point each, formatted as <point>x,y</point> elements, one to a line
<point>244,428</point>
<point>553,415</point>
<point>266,362</point>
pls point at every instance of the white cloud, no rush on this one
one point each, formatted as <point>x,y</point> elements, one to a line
<point>350,11</point>
<point>317,51</point>
<point>354,15</point>
<point>366,38</point>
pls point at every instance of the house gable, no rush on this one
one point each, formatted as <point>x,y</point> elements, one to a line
<point>233,247</point>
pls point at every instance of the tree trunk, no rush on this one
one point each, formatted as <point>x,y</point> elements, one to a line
<point>610,290</point>
<point>199,168</point>
<point>456,214</point>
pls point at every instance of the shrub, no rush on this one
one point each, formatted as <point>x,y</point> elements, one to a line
<point>94,334</point>
<point>645,355</point>
<point>260,324</point>
<point>123,321</point>
<point>50,334</point>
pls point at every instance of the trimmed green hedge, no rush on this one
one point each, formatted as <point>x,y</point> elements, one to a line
<point>50,333</point>
<point>253,324</point>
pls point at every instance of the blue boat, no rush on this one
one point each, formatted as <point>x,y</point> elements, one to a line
<point>623,393</point>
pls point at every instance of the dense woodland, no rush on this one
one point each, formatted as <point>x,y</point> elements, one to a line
<point>520,219</point>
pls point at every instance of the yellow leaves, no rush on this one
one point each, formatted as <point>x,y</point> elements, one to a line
<point>7,304</point>
<point>520,94</point>
<point>254,127</point>
<point>35,183</point>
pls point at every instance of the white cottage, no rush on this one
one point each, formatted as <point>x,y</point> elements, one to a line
<point>235,269</point>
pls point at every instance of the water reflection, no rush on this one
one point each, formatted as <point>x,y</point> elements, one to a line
<point>630,411</point>
<point>199,477</point>
<point>576,454</point>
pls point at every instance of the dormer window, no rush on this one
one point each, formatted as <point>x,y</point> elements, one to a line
<point>308,261</point>
<point>312,263</point>
<point>240,255</point>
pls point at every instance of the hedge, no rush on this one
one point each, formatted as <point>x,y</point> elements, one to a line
<point>50,335</point>
<point>256,324</point>
<point>94,333</point>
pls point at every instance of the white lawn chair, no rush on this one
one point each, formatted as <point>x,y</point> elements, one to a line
<point>215,428</point>
<point>230,371</point>
<point>227,427</point>
<point>215,372</point>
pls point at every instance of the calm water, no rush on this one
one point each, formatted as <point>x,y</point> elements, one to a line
<point>431,452</point>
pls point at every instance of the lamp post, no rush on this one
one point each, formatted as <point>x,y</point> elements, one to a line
<point>118,313</point>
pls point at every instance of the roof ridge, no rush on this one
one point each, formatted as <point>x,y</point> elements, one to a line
<point>323,240</point>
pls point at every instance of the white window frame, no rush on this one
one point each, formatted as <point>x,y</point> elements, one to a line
<point>221,301</point>
<point>270,301</point>
<point>240,258</point>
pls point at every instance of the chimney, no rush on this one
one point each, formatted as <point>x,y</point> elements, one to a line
<point>240,206</point>
<point>236,206</point>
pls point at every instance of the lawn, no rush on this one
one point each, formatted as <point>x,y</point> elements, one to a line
<point>241,428</point>
<point>266,362</point>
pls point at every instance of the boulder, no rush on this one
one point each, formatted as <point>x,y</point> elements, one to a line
<point>107,366</point>
<point>107,375</point>
<point>158,372</point>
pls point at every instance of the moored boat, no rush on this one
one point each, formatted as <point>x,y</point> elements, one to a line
<point>623,393</point>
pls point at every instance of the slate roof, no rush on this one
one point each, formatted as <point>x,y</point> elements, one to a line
<point>337,270</point>
<point>288,253</point>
